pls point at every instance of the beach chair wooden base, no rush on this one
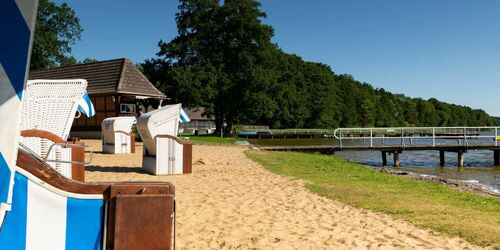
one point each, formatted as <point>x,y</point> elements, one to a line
<point>132,215</point>
<point>124,143</point>
<point>174,156</point>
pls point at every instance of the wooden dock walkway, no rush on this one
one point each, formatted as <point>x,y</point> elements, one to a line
<point>395,150</point>
<point>462,140</point>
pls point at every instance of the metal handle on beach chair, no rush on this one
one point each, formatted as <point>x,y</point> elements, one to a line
<point>68,145</point>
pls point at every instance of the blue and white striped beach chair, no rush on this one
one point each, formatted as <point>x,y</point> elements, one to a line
<point>40,209</point>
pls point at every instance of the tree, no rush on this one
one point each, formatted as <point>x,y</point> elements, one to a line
<point>88,60</point>
<point>217,59</point>
<point>57,28</point>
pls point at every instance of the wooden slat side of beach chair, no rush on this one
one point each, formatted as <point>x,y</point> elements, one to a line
<point>50,106</point>
<point>164,153</point>
<point>117,135</point>
<point>58,213</point>
<point>40,139</point>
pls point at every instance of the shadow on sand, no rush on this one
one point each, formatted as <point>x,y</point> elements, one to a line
<point>114,169</point>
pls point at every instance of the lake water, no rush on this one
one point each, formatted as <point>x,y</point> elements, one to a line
<point>478,164</point>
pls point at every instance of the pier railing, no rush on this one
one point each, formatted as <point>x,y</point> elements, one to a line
<point>408,136</point>
<point>292,131</point>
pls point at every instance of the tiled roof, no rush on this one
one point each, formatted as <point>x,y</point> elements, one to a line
<point>105,77</point>
<point>197,114</point>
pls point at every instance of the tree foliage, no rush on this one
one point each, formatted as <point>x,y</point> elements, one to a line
<point>57,28</point>
<point>223,59</point>
<point>221,50</point>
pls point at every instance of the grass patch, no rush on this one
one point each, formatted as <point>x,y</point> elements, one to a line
<point>210,139</point>
<point>429,205</point>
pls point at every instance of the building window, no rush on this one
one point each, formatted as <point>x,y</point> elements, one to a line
<point>127,108</point>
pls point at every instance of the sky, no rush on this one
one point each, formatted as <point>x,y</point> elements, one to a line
<point>446,49</point>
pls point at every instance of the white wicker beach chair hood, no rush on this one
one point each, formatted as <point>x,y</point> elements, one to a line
<point>164,153</point>
<point>50,105</point>
<point>116,134</point>
<point>163,121</point>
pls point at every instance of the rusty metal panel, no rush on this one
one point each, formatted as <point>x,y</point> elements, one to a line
<point>137,190</point>
<point>78,155</point>
<point>143,221</point>
<point>188,158</point>
<point>132,142</point>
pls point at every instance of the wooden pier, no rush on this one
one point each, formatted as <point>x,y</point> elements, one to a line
<point>458,140</point>
<point>460,150</point>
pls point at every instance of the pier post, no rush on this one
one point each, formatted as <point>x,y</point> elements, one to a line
<point>460,161</point>
<point>441,158</point>
<point>384,158</point>
<point>496,157</point>
<point>396,158</point>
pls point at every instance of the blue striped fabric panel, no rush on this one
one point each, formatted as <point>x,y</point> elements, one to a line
<point>41,219</point>
<point>16,20</point>
<point>5,175</point>
<point>84,224</point>
<point>14,44</point>
<point>13,232</point>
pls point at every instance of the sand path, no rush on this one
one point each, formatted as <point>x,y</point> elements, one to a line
<point>232,202</point>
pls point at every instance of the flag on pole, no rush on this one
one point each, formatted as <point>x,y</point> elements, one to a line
<point>85,106</point>
<point>184,117</point>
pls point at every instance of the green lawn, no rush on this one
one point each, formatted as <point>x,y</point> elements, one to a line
<point>430,205</point>
<point>210,139</point>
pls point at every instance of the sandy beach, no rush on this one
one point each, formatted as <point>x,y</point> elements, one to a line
<point>231,202</point>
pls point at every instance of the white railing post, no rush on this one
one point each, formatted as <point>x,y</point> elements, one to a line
<point>340,138</point>
<point>402,137</point>
<point>465,136</point>
<point>371,137</point>
<point>433,137</point>
<point>496,136</point>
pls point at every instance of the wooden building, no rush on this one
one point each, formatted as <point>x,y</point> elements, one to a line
<point>116,88</point>
<point>200,123</point>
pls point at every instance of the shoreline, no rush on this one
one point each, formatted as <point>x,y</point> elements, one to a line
<point>475,187</point>
<point>466,185</point>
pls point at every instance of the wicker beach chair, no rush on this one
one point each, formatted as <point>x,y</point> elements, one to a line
<point>49,107</point>
<point>117,135</point>
<point>164,153</point>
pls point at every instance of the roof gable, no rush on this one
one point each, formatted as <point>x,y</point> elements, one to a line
<point>198,114</point>
<point>104,77</point>
<point>133,81</point>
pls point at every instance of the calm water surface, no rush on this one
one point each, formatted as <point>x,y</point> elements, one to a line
<point>478,164</point>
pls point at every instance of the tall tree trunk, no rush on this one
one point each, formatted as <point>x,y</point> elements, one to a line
<point>219,124</point>
<point>219,116</point>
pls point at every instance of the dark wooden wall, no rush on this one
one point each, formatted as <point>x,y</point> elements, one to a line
<point>104,107</point>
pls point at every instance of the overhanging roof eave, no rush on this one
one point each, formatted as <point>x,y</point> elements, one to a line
<point>142,94</point>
